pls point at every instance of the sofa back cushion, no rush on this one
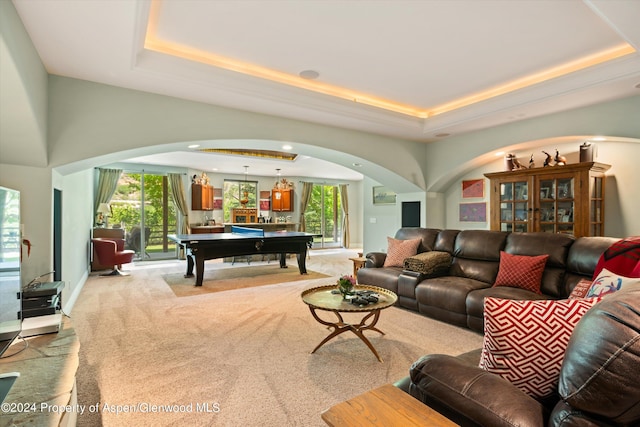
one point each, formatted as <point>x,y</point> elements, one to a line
<point>600,366</point>
<point>557,246</point>
<point>477,254</point>
<point>446,241</point>
<point>426,235</point>
<point>582,259</point>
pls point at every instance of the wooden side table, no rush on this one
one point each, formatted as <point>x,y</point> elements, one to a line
<point>358,263</point>
<point>384,407</point>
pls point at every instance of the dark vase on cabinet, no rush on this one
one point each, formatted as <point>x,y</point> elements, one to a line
<point>201,197</point>
<point>282,200</point>
<point>556,199</point>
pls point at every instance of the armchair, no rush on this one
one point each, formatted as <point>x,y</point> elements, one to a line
<point>112,252</point>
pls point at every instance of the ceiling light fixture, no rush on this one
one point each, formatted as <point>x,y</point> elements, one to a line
<point>193,146</point>
<point>287,147</point>
<point>154,42</point>
<point>309,74</point>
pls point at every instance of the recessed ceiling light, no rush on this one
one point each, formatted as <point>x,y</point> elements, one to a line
<point>598,138</point>
<point>499,153</point>
<point>287,147</point>
<point>194,146</point>
<point>309,74</point>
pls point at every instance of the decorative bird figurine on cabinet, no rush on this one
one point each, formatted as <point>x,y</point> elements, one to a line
<point>560,160</point>
<point>548,160</point>
<point>517,165</point>
<point>532,164</point>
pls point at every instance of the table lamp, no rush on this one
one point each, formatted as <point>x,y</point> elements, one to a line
<point>104,210</point>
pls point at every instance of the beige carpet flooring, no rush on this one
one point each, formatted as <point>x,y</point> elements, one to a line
<point>225,279</point>
<point>233,358</point>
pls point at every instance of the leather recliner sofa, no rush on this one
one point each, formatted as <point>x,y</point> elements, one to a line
<point>597,386</point>
<point>457,296</point>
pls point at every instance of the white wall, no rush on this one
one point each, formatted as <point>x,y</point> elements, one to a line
<point>77,222</point>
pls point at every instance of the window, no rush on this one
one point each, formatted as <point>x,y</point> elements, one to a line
<point>236,191</point>
<point>158,218</point>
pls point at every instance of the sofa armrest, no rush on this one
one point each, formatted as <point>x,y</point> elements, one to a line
<point>467,393</point>
<point>375,259</point>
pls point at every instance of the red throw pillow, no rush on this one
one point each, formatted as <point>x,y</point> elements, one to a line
<point>525,341</point>
<point>520,271</point>
<point>398,250</point>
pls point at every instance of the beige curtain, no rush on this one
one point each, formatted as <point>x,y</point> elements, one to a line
<point>107,184</point>
<point>344,198</point>
<point>179,198</point>
<point>305,197</point>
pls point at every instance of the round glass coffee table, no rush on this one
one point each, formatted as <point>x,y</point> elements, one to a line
<point>325,298</point>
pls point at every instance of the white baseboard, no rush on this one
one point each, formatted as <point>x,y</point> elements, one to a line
<point>67,306</point>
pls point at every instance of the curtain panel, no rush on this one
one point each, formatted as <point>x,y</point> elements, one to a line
<point>107,184</point>
<point>178,195</point>
<point>344,197</point>
<point>305,197</point>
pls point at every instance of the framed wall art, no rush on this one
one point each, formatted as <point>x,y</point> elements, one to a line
<point>265,200</point>
<point>383,196</point>
<point>473,212</point>
<point>217,198</point>
<point>472,188</point>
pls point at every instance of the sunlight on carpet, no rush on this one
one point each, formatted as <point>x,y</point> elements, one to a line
<point>236,278</point>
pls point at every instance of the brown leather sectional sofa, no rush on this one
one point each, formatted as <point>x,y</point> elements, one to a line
<point>458,296</point>
<point>598,382</point>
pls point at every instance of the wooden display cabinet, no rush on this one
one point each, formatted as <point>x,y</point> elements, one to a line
<point>555,199</point>
<point>244,215</point>
<point>282,200</point>
<point>201,197</point>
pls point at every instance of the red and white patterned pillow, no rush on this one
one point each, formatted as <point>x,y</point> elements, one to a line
<point>525,341</point>
<point>520,271</point>
<point>398,250</point>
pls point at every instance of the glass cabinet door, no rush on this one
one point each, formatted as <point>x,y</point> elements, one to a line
<point>596,199</point>
<point>514,206</point>
<point>557,204</point>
